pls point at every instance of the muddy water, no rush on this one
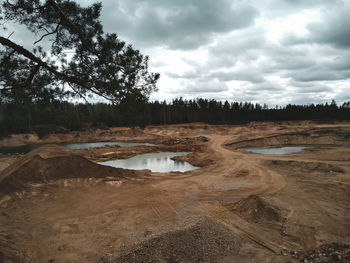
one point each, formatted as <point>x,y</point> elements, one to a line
<point>73,146</point>
<point>281,150</point>
<point>156,162</point>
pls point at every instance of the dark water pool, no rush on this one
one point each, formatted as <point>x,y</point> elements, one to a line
<point>156,162</point>
<point>280,150</point>
<point>73,146</point>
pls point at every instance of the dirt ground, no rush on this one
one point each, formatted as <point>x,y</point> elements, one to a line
<point>58,205</point>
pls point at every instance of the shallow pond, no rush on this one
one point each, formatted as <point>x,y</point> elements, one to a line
<point>156,162</point>
<point>73,146</point>
<point>280,150</point>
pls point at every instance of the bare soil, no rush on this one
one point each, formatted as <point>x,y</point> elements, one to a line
<point>58,205</point>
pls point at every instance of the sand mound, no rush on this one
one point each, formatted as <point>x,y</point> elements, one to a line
<point>52,162</point>
<point>254,208</point>
<point>205,241</point>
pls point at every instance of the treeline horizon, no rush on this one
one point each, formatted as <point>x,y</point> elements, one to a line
<point>44,117</point>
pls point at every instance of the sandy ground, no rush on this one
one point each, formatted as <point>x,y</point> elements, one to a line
<point>56,205</point>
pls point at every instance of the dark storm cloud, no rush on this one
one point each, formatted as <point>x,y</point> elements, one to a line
<point>278,8</point>
<point>177,24</point>
<point>333,29</point>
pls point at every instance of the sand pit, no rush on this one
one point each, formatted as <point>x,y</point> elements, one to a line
<point>59,205</point>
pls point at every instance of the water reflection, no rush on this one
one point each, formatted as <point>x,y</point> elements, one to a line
<point>156,162</point>
<point>281,150</point>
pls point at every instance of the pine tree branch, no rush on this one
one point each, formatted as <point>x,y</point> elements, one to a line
<point>71,25</point>
<point>64,77</point>
<point>31,76</point>
<point>48,33</point>
<point>7,58</point>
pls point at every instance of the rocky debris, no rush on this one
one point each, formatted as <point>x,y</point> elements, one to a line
<point>327,253</point>
<point>284,251</point>
<point>283,229</point>
<point>255,209</point>
<point>9,252</point>
<point>205,241</point>
<point>202,139</point>
<point>188,140</point>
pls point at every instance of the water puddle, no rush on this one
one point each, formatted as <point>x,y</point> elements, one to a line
<point>280,150</point>
<point>74,146</point>
<point>156,162</point>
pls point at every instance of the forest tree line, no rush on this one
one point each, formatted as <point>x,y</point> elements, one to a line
<point>61,115</point>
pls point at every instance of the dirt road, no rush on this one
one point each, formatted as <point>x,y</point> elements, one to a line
<point>238,207</point>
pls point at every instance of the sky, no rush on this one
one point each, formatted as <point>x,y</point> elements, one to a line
<point>267,51</point>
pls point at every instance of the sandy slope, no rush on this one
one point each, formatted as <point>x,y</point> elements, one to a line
<point>239,207</point>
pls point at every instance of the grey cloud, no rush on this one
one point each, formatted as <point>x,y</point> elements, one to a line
<point>268,86</point>
<point>206,87</point>
<point>280,8</point>
<point>305,63</point>
<point>343,95</point>
<point>324,65</point>
<point>333,29</point>
<point>342,62</point>
<point>187,75</point>
<point>252,76</point>
<point>319,75</point>
<point>176,24</point>
<point>289,58</point>
<point>243,44</point>
<point>310,87</point>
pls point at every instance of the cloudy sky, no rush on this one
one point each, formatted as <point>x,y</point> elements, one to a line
<point>266,51</point>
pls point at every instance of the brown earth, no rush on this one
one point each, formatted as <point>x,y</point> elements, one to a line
<point>57,205</point>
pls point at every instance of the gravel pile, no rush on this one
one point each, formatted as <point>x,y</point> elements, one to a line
<point>206,241</point>
<point>327,253</point>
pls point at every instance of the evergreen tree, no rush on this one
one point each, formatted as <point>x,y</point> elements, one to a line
<point>102,64</point>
